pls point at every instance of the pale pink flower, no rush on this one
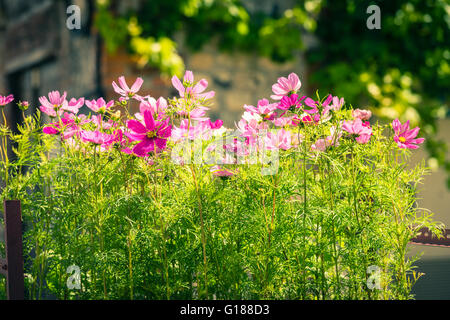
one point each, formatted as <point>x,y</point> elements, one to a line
<point>281,139</point>
<point>196,114</point>
<point>156,107</point>
<point>187,89</point>
<point>320,145</point>
<point>96,137</point>
<point>55,104</point>
<point>126,91</point>
<point>74,105</point>
<point>286,86</point>
<point>284,121</point>
<point>358,129</point>
<point>236,147</point>
<point>361,114</point>
<point>263,108</point>
<point>331,140</point>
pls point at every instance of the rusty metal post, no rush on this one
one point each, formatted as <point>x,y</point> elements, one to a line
<point>14,250</point>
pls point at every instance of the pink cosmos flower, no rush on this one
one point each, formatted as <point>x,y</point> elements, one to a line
<point>281,139</point>
<point>312,104</point>
<point>74,105</point>
<point>55,104</point>
<point>321,145</point>
<point>285,121</point>
<point>331,140</point>
<point>331,103</point>
<point>222,172</point>
<point>203,129</point>
<point>404,136</point>
<point>187,89</point>
<point>263,108</point>
<point>125,91</point>
<point>96,137</point>
<point>358,129</point>
<point>236,147</point>
<point>68,129</point>
<point>337,103</point>
<point>23,105</point>
<point>99,105</point>
<point>4,100</point>
<point>119,140</point>
<point>310,119</point>
<point>100,123</point>
<point>156,107</point>
<point>196,114</point>
<point>216,124</point>
<point>361,114</point>
<point>291,102</point>
<point>286,86</point>
<point>251,129</point>
<point>182,132</point>
<point>149,133</point>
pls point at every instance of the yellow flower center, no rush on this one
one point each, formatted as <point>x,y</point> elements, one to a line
<point>402,139</point>
<point>151,134</point>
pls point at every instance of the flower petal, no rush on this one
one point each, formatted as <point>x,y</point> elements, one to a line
<point>136,126</point>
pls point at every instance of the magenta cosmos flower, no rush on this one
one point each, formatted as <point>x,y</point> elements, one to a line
<point>4,100</point>
<point>286,86</point>
<point>404,136</point>
<point>149,133</point>
<point>66,127</point>
<point>360,130</point>
<point>291,102</point>
<point>126,91</point>
<point>187,89</point>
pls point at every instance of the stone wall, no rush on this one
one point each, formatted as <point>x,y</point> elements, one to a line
<point>41,54</point>
<point>237,78</point>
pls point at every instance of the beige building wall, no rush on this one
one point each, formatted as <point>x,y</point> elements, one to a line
<point>435,196</point>
<point>433,193</point>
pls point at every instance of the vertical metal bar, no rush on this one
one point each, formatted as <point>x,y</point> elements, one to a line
<point>14,250</point>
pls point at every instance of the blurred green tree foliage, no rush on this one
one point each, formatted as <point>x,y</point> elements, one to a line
<point>399,71</point>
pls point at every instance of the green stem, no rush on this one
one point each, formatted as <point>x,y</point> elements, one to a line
<point>203,237</point>
<point>358,221</point>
